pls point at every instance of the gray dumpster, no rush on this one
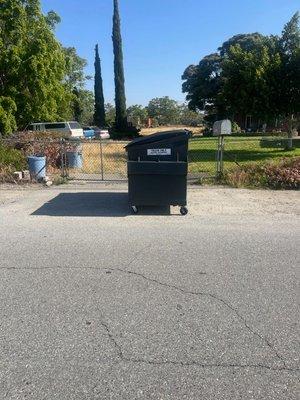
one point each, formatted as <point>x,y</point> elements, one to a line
<point>157,170</point>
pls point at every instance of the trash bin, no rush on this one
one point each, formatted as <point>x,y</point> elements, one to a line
<point>75,159</point>
<point>74,153</point>
<point>157,170</point>
<point>37,167</point>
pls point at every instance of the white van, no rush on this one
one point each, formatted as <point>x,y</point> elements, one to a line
<point>71,128</point>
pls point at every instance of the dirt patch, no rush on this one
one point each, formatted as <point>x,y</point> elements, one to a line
<point>227,201</point>
<point>202,201</point>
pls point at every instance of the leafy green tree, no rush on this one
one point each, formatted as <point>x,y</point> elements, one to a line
<point>289,77</point>
<point>120,98</point>
<point>76,106</point>
<point>99,115</point>
<point>110,111</point>
<point>248,42</point>
<point>188,117</point>
<point>32,63</point>
<point>251,74</point>
<point>137,114</point>
<point>83,105</point>
<point>87,101</point>
<point>246,82</point>
<point>290,38</point>
<point>164,110</point>
<point>203,83</point>
<point>7,119</point>
<point>52,19</point>
<point>74,69</point>
<point>75,79</point>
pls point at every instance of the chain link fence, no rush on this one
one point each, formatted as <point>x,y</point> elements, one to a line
<point>95,160</point>
<point>105,160</point>
<point>240,151</point>
<point>202,158</point>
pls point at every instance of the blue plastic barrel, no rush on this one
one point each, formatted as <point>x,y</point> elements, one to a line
<point>75,159</point>
<point>37,167</point>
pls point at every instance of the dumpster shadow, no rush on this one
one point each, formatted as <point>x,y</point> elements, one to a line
<point>94,204</point>
<point>154,210</point>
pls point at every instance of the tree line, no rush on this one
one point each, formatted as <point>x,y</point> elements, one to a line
<point>40,80</point>
<point>250,75</point>
<point>159,111</point>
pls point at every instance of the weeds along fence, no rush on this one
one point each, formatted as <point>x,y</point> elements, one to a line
<point>96,160</point>
<point>50,148</point>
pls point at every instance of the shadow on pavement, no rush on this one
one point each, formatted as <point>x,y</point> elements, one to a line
<point>94,204</point>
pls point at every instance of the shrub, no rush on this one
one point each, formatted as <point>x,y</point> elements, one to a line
<point>7,119</point>
<point>130,132</point>
<point>11,158</point>
<point>252,175</point>
<point>27,136</point>
<point>285,175</point>
<point>261,134</point>
<point>207,132</point>
<point>39,143</point>
<point>278,143</point>
<point>236,129</point>
<point>6,174</point>
<point>281,175</point>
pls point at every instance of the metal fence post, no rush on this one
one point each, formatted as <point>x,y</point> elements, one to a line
<point>64,173</point>
<point>220,156</point>
<point>62,158</point>
<point>101,160</point>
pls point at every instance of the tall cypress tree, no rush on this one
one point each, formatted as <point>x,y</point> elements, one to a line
<point>120,98</point>
<point>99,115</point>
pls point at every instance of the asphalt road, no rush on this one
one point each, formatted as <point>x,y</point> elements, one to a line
<point>96,303</point>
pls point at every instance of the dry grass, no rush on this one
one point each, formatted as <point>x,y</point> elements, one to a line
<point>149,131</point>
<point>202,156</point>
<point>114,158</point>
<point>114,154</point>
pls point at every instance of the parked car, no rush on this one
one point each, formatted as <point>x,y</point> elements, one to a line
<point>88,132</point>
<point>100,133</point>
<point>69,128</point>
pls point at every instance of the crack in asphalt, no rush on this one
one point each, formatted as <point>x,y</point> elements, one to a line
<point>206,294</point>
<point>132,260</point>
<point>112,339</point>
<point>184,291</point>
<point>123,358</point>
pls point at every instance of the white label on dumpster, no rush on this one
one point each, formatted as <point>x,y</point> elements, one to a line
<point>158,152</point>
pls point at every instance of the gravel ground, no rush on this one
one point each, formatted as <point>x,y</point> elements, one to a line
<point>97,303</point>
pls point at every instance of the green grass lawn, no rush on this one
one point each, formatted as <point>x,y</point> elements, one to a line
<point>238,151</point>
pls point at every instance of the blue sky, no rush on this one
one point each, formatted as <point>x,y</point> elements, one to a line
<point>161,37</point>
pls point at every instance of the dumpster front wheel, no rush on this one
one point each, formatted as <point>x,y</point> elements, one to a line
<point>183,210</point>
<point>134,209</point>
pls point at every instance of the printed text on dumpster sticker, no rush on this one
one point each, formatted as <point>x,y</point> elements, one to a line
<point>159,152</point>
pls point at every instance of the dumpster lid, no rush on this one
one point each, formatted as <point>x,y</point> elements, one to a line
<point>159,136</point>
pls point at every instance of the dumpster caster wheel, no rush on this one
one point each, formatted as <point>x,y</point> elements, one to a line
<point>183,210</point>
<point>134,209</point>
